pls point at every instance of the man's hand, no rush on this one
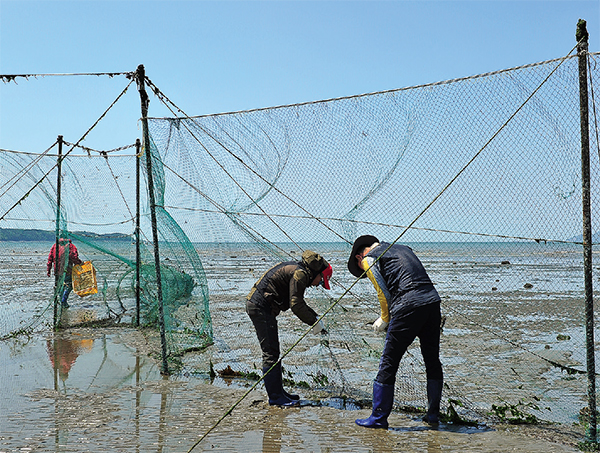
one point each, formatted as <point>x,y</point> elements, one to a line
<point>318,328</point>
<point>379,325</point>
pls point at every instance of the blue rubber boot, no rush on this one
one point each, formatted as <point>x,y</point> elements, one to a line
<point>274,387</point>
<point>383,400</point>
<point>434,397</point>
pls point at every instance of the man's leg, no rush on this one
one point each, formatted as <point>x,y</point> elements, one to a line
<point>430,349</point>
<point>67,287</point>
<point>265,325</point>
<point>400,334</point>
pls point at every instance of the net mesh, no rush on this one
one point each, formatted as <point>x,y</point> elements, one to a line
<point>95,189</point>
<point>480,176</point>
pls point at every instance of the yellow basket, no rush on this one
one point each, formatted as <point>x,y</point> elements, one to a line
<point>84,279</point>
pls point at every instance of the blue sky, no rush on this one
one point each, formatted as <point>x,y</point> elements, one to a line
<point>211,57</point>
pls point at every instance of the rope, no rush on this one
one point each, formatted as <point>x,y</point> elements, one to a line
<point>391,225</point>
<point>102,153</point>
<point>6,78</point>
<point>396,90</point>
<point>68,152</point>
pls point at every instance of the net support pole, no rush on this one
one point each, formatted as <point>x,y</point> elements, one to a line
<point>582,51</point>
<point>141,75</point>
<point>138,260</point>
<point>57,230</point>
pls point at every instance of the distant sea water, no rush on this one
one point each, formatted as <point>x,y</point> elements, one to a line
<point>454,266</point>
<point>553,266</point>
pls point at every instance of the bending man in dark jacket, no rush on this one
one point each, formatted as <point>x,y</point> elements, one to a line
<point>410,308</point>
<point>280,288</point>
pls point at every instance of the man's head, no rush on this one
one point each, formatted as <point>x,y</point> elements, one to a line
<point>360,246</point>
<point>319,268</point>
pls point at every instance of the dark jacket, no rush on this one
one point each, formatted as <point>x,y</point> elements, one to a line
<point>282,287</point>
<point>404,280</point>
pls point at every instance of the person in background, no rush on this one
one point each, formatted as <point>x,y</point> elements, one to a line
<point>64,246</point>
<point>279,289</point>
<point>410,308</point>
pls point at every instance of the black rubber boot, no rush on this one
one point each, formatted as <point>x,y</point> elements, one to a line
<point>289,395</point>
<point>274,387</point>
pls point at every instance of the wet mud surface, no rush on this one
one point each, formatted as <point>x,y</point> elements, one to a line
<point>96,390</point>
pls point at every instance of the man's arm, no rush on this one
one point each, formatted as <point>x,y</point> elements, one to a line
<point>382,292</point>
<point>298,284</point>
<point>74,254</point>
<point>50,260</point>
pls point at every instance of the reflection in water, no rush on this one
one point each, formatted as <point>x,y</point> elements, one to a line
<point>114,399</point>
<point>63,353</point>
<point>162,424</point>
<point>272,438</point>
<point>71,406</point>
<point>138,398</point>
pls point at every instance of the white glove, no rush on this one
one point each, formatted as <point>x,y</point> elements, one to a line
<point>318,328</point>
<point>379,325</point>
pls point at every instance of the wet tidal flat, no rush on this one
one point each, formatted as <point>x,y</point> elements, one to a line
<point>88,390</point>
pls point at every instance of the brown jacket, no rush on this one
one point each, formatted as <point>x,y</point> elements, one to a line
<point>282,287</point>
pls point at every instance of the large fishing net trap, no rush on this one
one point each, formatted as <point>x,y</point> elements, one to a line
<point>481,176</point>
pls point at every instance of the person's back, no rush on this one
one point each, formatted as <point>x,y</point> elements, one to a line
<point>405,277</point>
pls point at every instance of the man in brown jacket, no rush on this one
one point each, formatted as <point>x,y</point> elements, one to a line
<point>279,289</point>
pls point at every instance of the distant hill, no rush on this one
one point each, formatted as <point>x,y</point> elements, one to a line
<point>579,238</point>
<point>16,234</point>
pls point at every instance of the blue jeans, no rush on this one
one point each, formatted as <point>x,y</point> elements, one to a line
<point>67,288</point>
<point>423,322</point>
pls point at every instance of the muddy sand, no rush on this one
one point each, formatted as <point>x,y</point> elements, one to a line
<point>98,390</point>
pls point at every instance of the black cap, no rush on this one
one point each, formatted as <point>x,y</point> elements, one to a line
<point>363,241</point>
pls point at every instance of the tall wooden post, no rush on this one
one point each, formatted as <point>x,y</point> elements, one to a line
<point>138,259</point>
<point>57,231</point>
<point>582,51</point>
<point>141,75</point>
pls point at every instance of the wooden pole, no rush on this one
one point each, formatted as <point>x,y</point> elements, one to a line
<point>141,75</point>
<point>57,231</point>
<point>582,51</point>
<point>138,260</point>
